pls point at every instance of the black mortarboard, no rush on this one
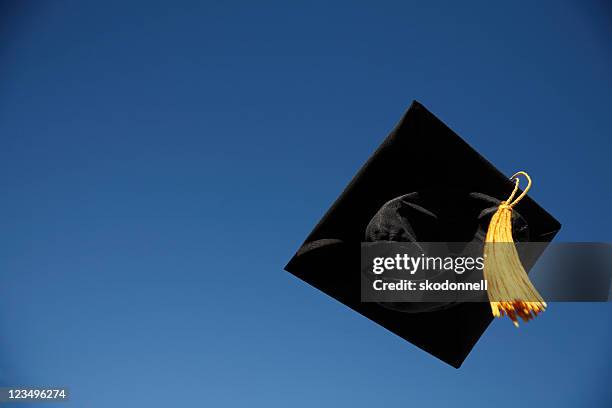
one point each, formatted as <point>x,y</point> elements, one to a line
<point>424,183</point>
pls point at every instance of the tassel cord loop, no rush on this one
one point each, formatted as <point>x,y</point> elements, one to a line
<point>515,177</point>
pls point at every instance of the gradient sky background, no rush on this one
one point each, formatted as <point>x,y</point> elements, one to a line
<point>160,163</point>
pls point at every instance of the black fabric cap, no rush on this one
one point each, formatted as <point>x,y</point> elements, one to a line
<point>424,183</point>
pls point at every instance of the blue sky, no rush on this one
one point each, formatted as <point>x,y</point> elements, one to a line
<point>160,164</point>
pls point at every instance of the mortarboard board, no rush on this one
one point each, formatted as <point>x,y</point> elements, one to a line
<point>424,183</point>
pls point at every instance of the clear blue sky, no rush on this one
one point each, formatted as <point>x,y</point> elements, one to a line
<point>160,163</point>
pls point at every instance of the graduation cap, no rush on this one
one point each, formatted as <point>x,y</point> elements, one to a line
<point>423,184</point>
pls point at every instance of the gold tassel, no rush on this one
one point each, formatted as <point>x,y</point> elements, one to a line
<point>510,291</point>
